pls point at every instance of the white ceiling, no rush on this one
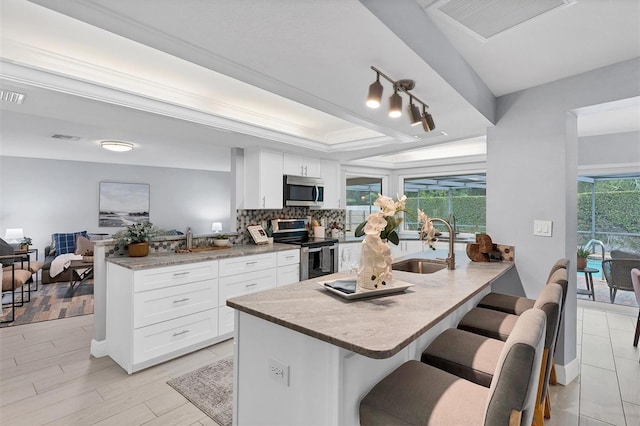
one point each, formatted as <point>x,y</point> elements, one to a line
<point>191,79</point>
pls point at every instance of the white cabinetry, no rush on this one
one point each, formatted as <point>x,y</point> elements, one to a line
<point>330,174</point>
<point>263,179</point>
<point>243,275</point>
<point>157,314</point>
<point>301,166</point>
<point>288,267</point>
<point>349,255</point>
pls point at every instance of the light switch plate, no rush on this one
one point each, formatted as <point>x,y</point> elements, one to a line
<point>542,228</point>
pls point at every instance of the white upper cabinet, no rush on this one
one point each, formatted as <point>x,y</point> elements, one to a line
<point>330,174</point>
<point>263,179</point>
<point>301,166</point>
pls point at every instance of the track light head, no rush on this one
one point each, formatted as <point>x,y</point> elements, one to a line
<point>427,121</point>
<point>414,113</point>
<point>375,94</point>
<point>395,105</point>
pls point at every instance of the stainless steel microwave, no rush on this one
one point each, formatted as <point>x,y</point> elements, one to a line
<point>303,191</point>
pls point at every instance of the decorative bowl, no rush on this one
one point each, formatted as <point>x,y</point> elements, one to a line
<point>221,243</point>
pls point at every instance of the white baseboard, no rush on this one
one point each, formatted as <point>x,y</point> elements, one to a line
<point>567,373</point>
<point>99,348</point>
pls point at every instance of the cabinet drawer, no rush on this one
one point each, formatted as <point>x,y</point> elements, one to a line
<point>225,320</point>
<point>251,282</point>
<point>168,303</point>
<point>163,338</point>
<point>156,278</point>
<point>240,265</point>
<point>288,274</point>
<point>288,257</point>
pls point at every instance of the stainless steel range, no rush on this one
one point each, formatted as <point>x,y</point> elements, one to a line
<point>318,256</point>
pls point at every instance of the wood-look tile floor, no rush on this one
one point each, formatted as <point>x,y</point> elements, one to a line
<point>48,377</point>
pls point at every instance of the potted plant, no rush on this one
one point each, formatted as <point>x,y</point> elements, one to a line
<point>221,240</point>
<point>25,243</point>
<point>582,255</point>
<point>136,238</point>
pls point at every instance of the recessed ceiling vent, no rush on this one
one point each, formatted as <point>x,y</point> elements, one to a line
<point>66,137</point>
<point>12,97</point>
<point>487,18</point>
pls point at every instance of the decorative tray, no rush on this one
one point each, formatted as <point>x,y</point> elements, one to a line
<point>347,289</point>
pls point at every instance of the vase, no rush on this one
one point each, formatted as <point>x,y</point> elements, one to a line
<point>138,249</point>
<point>581,262</point>
<point>375,264</point>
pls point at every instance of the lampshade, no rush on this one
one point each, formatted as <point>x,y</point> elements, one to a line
<point>216,227</point>
<point>375,94</point>
<point>395,105</point>
<point>414,114</point>
<point>14,235</point>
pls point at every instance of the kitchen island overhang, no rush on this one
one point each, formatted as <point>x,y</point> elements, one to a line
<point>335,350</point>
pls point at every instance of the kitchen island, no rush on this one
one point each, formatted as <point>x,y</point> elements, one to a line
<point>306,356</point>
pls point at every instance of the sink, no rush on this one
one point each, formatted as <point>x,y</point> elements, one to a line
<point>418,266</point>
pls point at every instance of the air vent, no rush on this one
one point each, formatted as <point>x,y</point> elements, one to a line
<point>12,97</point>
<point>487,18</point>
<point>66,137</point>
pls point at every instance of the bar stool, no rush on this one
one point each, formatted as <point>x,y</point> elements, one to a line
<point>417,393</point>
<point>474,356</point>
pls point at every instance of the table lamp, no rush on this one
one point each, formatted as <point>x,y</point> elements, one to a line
<point>216,227</point>
<point>13,236</point>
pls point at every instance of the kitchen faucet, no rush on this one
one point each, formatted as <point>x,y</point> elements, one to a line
<point>451,259</point>
<point>454,222</point>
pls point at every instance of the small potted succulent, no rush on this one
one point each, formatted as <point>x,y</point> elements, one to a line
<point>221,240</point>
<point>136,237</point>
<point>582,255</point>
<point>25,243</point>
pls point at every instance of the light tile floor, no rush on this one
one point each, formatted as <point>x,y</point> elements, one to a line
<point>48,377</point>
<point>608,389</point>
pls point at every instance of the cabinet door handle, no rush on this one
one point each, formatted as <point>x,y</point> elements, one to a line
<point>180,332</point>
<point>251,285</point>
<point>179,274</point>
<point>264,201</point>
<point>181,300</point>
<point>289,257</point>
<point>251,263</point>
<point>305,170</point>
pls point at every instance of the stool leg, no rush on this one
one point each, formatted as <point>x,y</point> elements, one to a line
<point>552,377</point>
<point>635,338</point>
<point>547,407</point>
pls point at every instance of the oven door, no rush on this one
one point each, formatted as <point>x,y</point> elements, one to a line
<point>318,261</point>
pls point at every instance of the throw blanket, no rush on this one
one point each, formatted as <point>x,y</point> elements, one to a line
<point>62,262</point>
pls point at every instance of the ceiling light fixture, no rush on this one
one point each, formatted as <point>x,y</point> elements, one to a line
<point>117,146</point>
<point>395,100</point>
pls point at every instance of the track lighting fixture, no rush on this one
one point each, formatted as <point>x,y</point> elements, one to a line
<point>375,94</point>
<point>395,101</point>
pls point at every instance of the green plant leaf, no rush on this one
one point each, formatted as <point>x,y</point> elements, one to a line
<point>393,237</point>
<point>359,232</point>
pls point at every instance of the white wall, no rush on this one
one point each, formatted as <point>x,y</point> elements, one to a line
<point>48,196</point>
<point>532,170</point>
<point>613,153</point>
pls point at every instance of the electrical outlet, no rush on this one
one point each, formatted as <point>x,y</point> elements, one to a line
<point>279,371</point>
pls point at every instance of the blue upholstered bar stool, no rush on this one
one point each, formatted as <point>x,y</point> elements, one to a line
<point>420,394</point>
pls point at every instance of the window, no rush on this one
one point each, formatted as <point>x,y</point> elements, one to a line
<point>461,198</point>
<point>361,194</point>
<point>608,209</point>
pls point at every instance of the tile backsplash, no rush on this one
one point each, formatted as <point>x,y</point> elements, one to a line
<point>261,217</point>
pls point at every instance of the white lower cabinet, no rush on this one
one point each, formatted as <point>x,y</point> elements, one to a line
<point>288,267</point>
<point>407,247</point>
<point>157,314</point>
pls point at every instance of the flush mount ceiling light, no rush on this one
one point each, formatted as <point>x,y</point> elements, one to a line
<point>395,100</point>
<point>117,146</point>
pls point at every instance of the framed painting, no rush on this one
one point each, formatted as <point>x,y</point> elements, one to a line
<point>123,204</point>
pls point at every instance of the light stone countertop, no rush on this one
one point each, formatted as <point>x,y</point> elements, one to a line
<point>169,259</point>
<point>377,327</point>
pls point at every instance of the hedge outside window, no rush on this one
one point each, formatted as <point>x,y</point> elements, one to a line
<point>442,196</point>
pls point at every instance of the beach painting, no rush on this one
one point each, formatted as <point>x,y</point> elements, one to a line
<point>123,204</point>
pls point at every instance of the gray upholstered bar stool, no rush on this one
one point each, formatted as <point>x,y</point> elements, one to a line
<point>420,394</point>
<point>516,305</point>
<point>474,357</point>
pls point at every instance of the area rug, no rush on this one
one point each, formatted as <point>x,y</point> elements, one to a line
<point>52,301</point>
<point>601,289</point>
<point>210,389</point>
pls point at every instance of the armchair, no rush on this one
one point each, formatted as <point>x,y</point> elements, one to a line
<point>617,271</point>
